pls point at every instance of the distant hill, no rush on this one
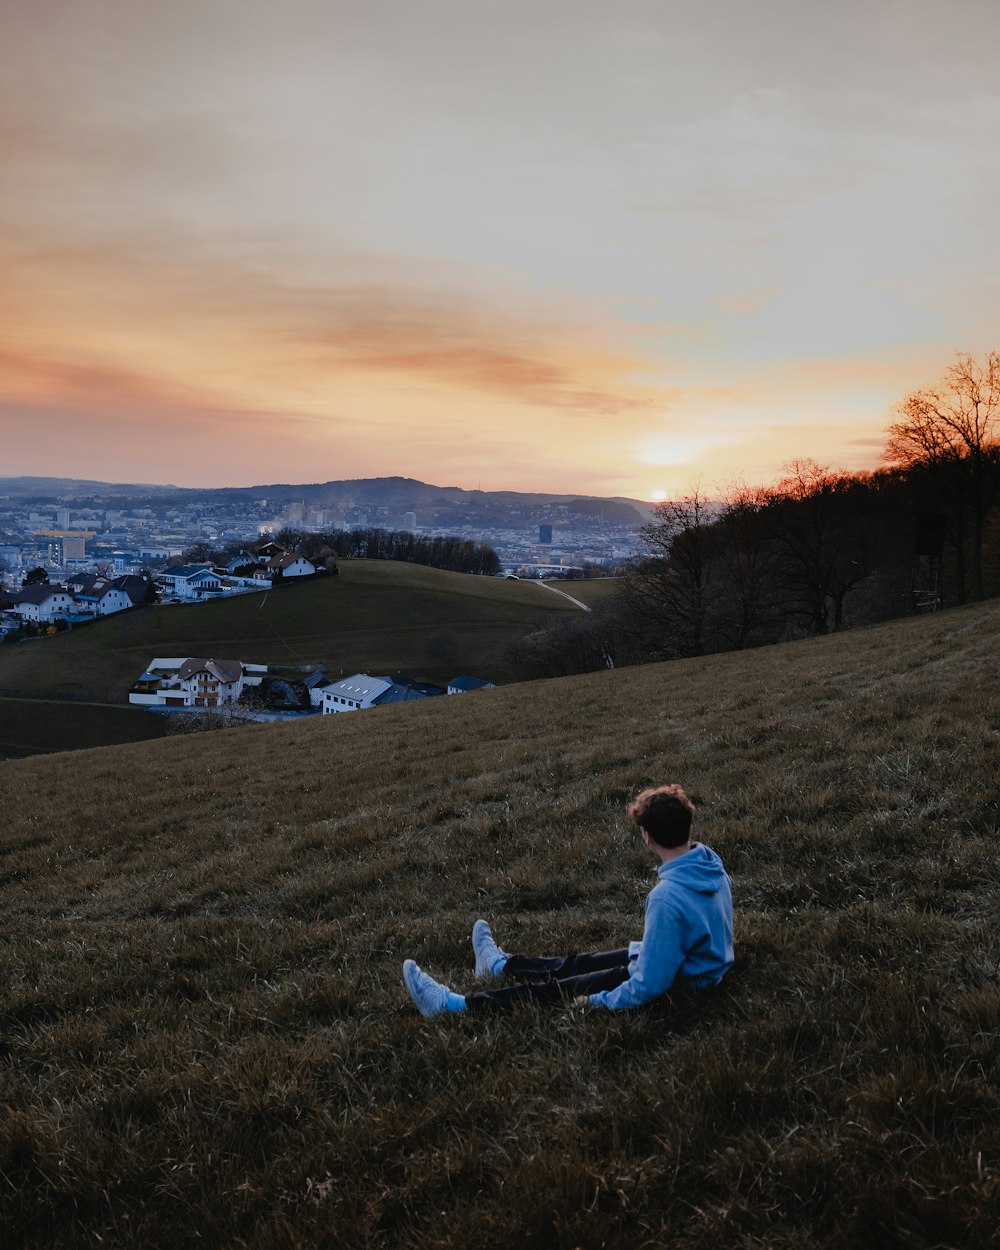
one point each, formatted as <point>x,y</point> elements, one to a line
<point>206,1039</point>
<point>396,493</point>
<point>378,616</point>
<point>70,487</point>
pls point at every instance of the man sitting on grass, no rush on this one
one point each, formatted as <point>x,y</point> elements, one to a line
<point>687,939</point>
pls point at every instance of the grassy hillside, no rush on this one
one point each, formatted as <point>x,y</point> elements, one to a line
<point>206,1040</point>
<point>36,726</point>
<point>590,590</point>
<point>378,616</point>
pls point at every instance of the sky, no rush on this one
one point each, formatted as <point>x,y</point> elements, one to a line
<point>557,245</point>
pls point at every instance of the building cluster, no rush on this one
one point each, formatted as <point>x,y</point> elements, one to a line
<point>201,684</point>
<point>126,538</point>
<point>192,583</point>
<point>118,535</point>
<point>81,597</point>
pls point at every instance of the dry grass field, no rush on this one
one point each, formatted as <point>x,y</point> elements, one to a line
<point>205,1040</point>
<point>377,615</point>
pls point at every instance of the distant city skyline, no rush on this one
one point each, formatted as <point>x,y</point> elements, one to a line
<point>567,247</point>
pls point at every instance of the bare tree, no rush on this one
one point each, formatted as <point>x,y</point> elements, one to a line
<point>673,591</point>
<point>748,557</point>
<point>443,646</point>
<point>200,553</point>
<point>822,537</point>
<point>581,643</point>
<point>952,432</point>
<point>204,720</point>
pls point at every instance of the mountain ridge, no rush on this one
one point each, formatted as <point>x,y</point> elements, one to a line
<point>393,489</point>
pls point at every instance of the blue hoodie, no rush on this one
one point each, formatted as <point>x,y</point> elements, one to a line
<point>688,931</point>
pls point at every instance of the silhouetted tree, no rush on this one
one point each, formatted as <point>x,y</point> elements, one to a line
<point>460,555</point>
<point>150,593</point>
<point>443,646</point>
<point>200,553</point>
<point>750,602</point>
<point>35,577</point>
<point>950,433</point>
<point>822,535</point>
<point>569,645</point>
<point>674,591</point>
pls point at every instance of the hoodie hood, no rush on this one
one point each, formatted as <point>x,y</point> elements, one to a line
<point>699,869</point>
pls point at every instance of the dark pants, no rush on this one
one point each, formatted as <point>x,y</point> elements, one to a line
<point>552,978</point>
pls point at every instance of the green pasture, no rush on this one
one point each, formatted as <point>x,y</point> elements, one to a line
<point>37,726</point>
<point>590,590</point>
<point>376,616</point>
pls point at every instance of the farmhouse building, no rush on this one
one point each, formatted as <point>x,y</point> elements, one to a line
<point>353,693</point>
<point>194,683</point>
<point>361,691</point>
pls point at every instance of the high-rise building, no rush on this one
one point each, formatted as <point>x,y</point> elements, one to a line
<point>545,533</point>
<point>74,547</point>
<point>409,520</point>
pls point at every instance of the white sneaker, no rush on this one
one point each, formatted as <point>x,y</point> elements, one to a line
<point>430,996</point>
<point>486,950</point>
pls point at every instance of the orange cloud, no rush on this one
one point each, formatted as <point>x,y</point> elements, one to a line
<point>489,358</point>
<point>89,312</point>
<point>151,347</point>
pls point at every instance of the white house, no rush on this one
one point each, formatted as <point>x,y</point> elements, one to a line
<point>352,693</point>
<point>242,561</point>
<point>80,583</point>
<point>42,603</point>
<point>103,600</point>
<point>194,683</point>
<point>101,596</point>
<point>315,684</point>
<point>462,685</point>
<point>136,587</point>
<point>192,581</point>
<point>288,565</point>
<point>112,599</point>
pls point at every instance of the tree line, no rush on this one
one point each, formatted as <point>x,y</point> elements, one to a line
<point>458,555</point>
<point>819,551</point>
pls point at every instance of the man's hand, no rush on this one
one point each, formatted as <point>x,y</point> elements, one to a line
<point>581,1000</point>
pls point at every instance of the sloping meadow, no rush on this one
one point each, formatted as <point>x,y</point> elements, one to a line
<point>376,615</point>
<point>205,1038</point>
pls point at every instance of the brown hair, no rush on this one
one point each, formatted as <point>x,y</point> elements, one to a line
<point>665,813</point>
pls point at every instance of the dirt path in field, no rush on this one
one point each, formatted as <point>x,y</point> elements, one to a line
<point>556,591</point>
